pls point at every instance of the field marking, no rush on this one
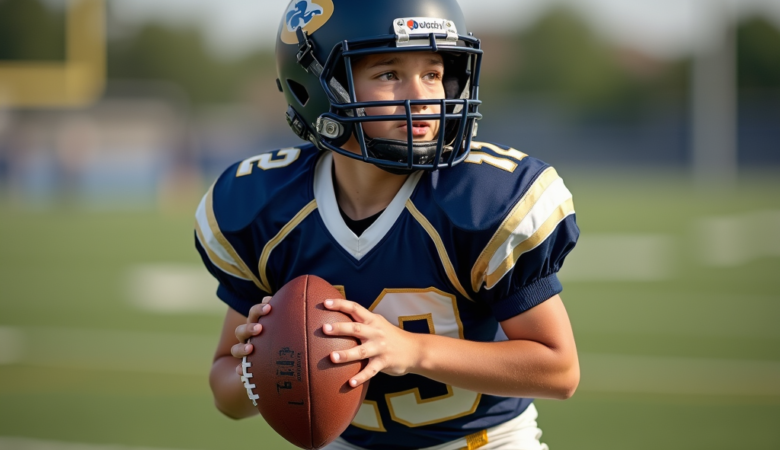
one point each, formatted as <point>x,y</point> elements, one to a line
<point>11,345</point>
<point>678,375</point>
<point>20,443</point>
<point>729,241</point>
<point>124,351</point>
<point>621,257</point>
<point>187,354</point>
<point>173,289</point>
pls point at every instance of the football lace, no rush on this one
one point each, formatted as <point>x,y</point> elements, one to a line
<point>245,379</point>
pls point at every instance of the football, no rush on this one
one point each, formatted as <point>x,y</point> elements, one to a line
<point>289,376</point>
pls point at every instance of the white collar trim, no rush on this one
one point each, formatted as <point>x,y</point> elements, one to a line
<point>328,208</point>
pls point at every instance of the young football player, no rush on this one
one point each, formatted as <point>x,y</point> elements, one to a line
<point>446,248</point>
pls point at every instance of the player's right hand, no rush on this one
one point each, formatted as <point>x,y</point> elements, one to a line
<point>249,329</point>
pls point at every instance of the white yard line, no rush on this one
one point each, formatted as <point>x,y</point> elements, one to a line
<point>182,354</point>
<point>19,443</point>
<point>729,241</point>
<point>621,257</point>
<point>678,375</point>
<point>173,289</point>
<point>127,351</point>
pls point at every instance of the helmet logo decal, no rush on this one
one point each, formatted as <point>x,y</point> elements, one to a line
<point>303,13</point>
<point>309,15</point>
<point>415,31</point>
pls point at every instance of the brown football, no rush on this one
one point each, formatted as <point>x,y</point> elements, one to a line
<point>304,396</point>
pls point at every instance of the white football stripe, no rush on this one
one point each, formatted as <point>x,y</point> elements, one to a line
<point>211,241</point>
<point>548,202</point>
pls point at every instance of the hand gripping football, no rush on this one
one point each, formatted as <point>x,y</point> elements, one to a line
<point>304,396</point>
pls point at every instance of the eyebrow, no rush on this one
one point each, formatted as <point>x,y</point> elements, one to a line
<point>393,60</point>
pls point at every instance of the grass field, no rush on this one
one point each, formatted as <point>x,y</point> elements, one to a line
<point>674,295</point>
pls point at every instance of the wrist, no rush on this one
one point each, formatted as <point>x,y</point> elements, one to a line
<point>420,353</point>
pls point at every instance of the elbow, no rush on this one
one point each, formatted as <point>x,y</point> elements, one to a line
<point>567,392</point>
<point>226,412</point>
<point>568,383</point>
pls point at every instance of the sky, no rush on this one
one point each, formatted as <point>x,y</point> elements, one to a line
<point>665,28</point>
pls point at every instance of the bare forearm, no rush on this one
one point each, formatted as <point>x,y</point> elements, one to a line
<point>515,368</point>
<point>230,396</point>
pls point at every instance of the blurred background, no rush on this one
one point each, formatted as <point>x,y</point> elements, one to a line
<point>663,117</point>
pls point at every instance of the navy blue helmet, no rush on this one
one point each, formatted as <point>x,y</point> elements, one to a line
<point>317,44</point>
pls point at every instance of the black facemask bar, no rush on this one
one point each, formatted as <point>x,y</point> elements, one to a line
<point>457,116</point>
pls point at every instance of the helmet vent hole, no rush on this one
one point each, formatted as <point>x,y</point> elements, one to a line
<point>299,92</point>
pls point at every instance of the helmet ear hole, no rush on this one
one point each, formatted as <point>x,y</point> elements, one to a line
<point>298,91</point>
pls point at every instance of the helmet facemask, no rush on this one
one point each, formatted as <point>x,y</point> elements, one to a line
<point>457,116</point>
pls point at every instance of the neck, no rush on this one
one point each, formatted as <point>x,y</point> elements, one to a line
<point>363,189</point>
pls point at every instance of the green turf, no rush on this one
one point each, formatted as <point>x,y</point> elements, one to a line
<point>65,269</point>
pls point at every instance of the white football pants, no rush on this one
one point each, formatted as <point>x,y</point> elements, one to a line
<point>520,433</point>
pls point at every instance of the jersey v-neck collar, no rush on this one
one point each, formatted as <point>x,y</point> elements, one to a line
<point>357,246</point>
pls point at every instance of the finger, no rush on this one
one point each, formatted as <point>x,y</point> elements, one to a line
<point>241,350</point>
<point>247,330</point>
<point>354,354</point>
<point>358,313</point>
<point>257,311</point>
<point>355,329</point>
<point>372,368</point>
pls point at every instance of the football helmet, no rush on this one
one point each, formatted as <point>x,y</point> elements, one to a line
<point>317,43</point>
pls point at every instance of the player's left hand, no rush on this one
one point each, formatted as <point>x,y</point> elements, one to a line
<point>388,348</point>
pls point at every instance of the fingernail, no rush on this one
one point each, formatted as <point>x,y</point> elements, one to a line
<point>328,303</point>
<point>256,328</point>
<point>247,347</point>
<point>353,382</point>
<point>327,328</point>
<point>265,308</point>
<point>336,356</point>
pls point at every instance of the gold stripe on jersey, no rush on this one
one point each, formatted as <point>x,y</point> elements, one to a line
<point>215,259</point>
<point>368,417</point>
<point>561,212</point>
<point>512,153</point>
<point>214,226</point>
<point>286,229</point>
<point>445,259</point>
<point>519,212</point>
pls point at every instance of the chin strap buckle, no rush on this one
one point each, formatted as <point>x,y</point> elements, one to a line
<point>297,124</point>
<point>305,54</point>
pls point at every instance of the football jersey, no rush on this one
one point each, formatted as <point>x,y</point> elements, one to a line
<point>456,251</point>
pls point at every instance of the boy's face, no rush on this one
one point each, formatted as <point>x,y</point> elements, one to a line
<point>400,76</point>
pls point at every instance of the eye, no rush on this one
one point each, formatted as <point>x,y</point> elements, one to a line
<point>433,76</point>
<point>387,76</point>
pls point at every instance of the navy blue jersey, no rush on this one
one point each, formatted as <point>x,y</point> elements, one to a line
<point>456,252</point>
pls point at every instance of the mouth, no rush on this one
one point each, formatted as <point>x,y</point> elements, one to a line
<point>419,128</point>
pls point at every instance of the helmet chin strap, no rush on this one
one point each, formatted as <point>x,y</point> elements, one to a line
<point>423,152</point>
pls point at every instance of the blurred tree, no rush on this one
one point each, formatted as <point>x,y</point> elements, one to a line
<point>758,54</point>
<point>181,56</point>
<point>29,31</point>
<point>561,57</point>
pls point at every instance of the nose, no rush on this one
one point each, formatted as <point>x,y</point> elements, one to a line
<point>417,90</point>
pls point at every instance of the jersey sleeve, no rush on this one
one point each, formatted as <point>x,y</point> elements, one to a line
<point>238,287</point>
<point>517,269</point>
